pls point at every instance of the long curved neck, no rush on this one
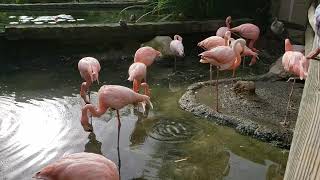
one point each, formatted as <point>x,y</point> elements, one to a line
<point>237,52</point>
<point>228,23</point>
<point>96,112</point>
<point>288,46</point>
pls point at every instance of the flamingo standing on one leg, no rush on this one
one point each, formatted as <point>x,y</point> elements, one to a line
<point>137,73</point>
<point>296,63</point>
<point>248,31</point>
<point>146,55</point>
<point>89,68</point>
<point>84,166</point>
<point>177,48</point>
<point>222,30</point>
<point>214,41</point>
<point>115,97</point>
<point>224,58</point>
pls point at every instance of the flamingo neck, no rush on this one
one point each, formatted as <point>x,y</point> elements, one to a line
<point>288,46</point>
<point>228,23</point>
<point>96,112</point>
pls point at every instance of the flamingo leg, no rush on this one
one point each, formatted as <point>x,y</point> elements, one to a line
<point>285,122</point>
<point>217,90</point>
<point>234,73</point>
<point>136,85</point>
<point>175,64</point>
<point>90,114</point>
<point>83,89</point>
<point>210,72</point>
<point>251,45</point>
<point>118,149</point>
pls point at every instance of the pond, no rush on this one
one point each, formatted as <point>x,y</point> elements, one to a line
<point>40,122</point>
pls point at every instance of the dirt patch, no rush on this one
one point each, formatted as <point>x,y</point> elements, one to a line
<point>258,115</point>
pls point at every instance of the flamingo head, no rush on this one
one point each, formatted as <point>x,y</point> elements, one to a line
<point>177,37</point>
<point>158,53</point>
<point>95,77</point>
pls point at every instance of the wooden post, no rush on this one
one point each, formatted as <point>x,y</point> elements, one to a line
<point>304,157</point>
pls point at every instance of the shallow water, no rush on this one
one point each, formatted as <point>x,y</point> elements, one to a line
<point>40,122</point>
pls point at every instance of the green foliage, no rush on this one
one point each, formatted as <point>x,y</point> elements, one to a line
<point>214,8</point>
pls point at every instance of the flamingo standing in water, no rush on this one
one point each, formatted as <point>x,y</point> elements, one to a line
<point>84,166</point>
<point>89,68</point>
<point>177,49</point>
<point>146,55</point>
<point>222,30</point>
<point>138,73</point>
<point>215,41</point>
<point>224,58</point>
<point>114,97</point>
<point>248,31</point>
<point>296,63</point>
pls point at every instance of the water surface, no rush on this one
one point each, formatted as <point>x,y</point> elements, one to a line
<point>40,122</point>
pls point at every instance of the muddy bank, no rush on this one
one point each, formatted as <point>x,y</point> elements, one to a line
<point>256,115</point>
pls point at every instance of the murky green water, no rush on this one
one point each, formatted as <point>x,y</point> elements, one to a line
<point>40,122</point>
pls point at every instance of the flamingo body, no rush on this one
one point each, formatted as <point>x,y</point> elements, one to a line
<point>248,31</point>
<point>294,61</point>
<point>137,73</point>
<point>176,46</point>
<point>211,42</point>
<point>222,30</point>
<point>146,55</point>
<point>89,69</point>
<point>84,166</point>
<point>112,96</point>
<point>246,52</point>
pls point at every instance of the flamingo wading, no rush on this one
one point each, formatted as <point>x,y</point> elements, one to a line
<point>137,74</point>
<point>177,49</point>
<point>89,68</point>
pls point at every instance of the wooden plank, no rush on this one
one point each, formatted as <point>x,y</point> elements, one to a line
<point>304,158</point>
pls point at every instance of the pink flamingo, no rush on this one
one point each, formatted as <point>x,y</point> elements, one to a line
<point>215,41</point>
<point>222,30</point>
<point>224,58</point>
<point>177,48</point>
<point>247,52</point>
<point>138,73</point>
<point>84,166</point>
<point>296,63</point>
<point>248,31</point>
<point>146,55</point>
<point>114,97</point>
<point>89,68</point>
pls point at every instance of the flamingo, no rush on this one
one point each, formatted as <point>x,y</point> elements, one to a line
<point>146,55</point>
<point>247,52</point>
<point>84,166</point>
<point>296,63</point>
<point>222,30</point>
<point>224,58</point>
<point>114,97</point>
<point>137,73</point>
<point>89,68</point>
<point>177,48</point>
<point>214,41</point>
<point>248,31</point>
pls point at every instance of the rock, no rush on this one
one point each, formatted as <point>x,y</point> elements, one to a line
<point>276,71</point>
<point>245,87</point>
<point>160,43</point>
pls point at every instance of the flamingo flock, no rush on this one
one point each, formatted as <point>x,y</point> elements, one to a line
<point>220,51</point>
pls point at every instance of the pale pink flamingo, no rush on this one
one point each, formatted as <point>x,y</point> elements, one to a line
<point>137,74</point>
<point>248,31</point>
<point>146,55</point>
<point>224,58</point>
<point>89,68</point>
<point>114,97</point>
<point>222,30</point>
<point>176,48</point>
<point>246,52</point>
<point>296,63</point>
<point>84,166</point>
<point>215,41</point>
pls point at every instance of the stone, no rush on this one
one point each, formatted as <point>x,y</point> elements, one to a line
<point>160,43</point>
<point>245,87</point>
